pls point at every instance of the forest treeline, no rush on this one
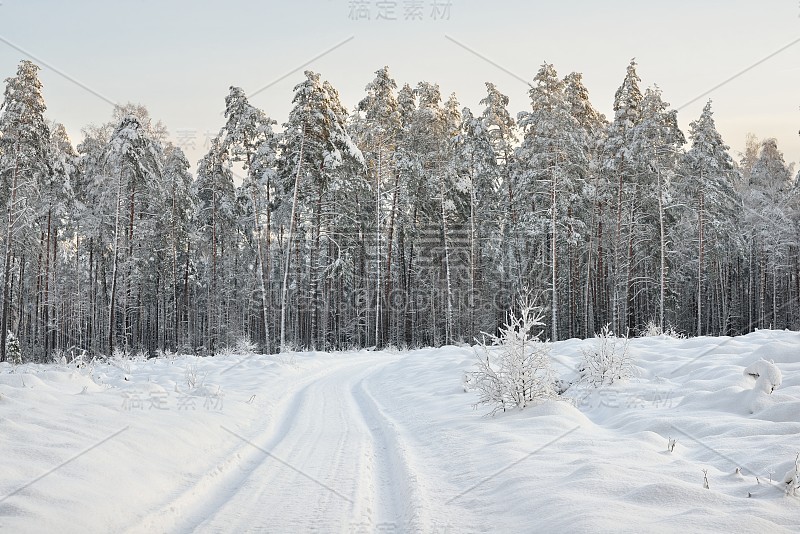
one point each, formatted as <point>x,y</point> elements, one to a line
<point>407,221</point>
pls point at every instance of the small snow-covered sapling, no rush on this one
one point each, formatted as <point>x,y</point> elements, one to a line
<point>671,444</point>
<point>792,478</point>
<point>13,351</point>
<point>705,478</point>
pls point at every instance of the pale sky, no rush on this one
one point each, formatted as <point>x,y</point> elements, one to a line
<point>178,57</point>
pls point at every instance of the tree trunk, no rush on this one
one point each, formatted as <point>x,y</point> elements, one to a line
<point>662,249</point>
<point>7,267</point>
<point>448,330</point>
<point>389,236</point>
<point>314,271</point>
<point>46,288</point>
<point>553,245</point>
<point>290,237</point>
<point>700,261</point>
<point>174,239</point>
<point>261,274</point>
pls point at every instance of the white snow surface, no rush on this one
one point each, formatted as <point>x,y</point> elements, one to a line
<point>390,442</point>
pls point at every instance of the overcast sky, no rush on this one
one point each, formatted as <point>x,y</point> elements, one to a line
<point>178,57</point>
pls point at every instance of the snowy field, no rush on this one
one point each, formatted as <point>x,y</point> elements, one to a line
<point>391,442</point>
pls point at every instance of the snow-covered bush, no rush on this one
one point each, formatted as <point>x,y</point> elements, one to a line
<point>244,345</point>
<point>792,478</point>
<point>194,379</point>
<point>227,351</point>
<point>79,360</point>
<point>768,376</point>
<point>608,361</point>
<point>513,368</point>
<point>120,354</point>
<point>166,354</point>
<point>241,345</point>
<point>121,359</point>
<point>651,329</point>
<point>13,351</point>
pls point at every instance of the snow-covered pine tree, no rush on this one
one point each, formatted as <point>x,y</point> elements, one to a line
<point>95,197</point>
<point>435,205</point>
<point>552,166</point>
<point>134,159</point>
<point>177,219</point>
<point>248,138</point>
<point>24,164</point>
<point>408,166</point>
<point>476,167</point>
<point>767,213</point>
<point>57,207</point>
<point>502,131</point>
<point>13,352</point>
<point>422,163</point>
<point>654,152</point>
<point>378,136</point>
<point>595,199</point>
<point>341,205</point>
<point>315,147</point>
<point>620,175</point>
<point>593,122</point>
<point>215,223</point>
<point>707,185</point>
<point>453,202</point>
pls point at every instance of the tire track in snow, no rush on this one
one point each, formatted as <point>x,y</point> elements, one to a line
<point>402,505</point>
<point>331,442</point>
<point>198,499</point>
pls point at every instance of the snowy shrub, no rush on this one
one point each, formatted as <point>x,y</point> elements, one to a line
<point>227,351</point>
<point>121,359</point>
<point>120,354</point>
<point>391,348</point>
<point>291,348</point>
<point>792,478</point>
<point>78,360</point>
<point>244,345</point>
<point>57,356</point>
<point>608,361</point>
<point>166,354</point>
<point>651,329</point>
<point>193,378</point>
<point>768,376</point>
<point>513,369</point>
<point>13,351</point>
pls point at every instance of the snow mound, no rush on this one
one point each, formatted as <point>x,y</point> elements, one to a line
<point>768,376</point>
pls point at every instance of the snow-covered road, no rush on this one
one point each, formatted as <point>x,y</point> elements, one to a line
<point>323,463</point>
